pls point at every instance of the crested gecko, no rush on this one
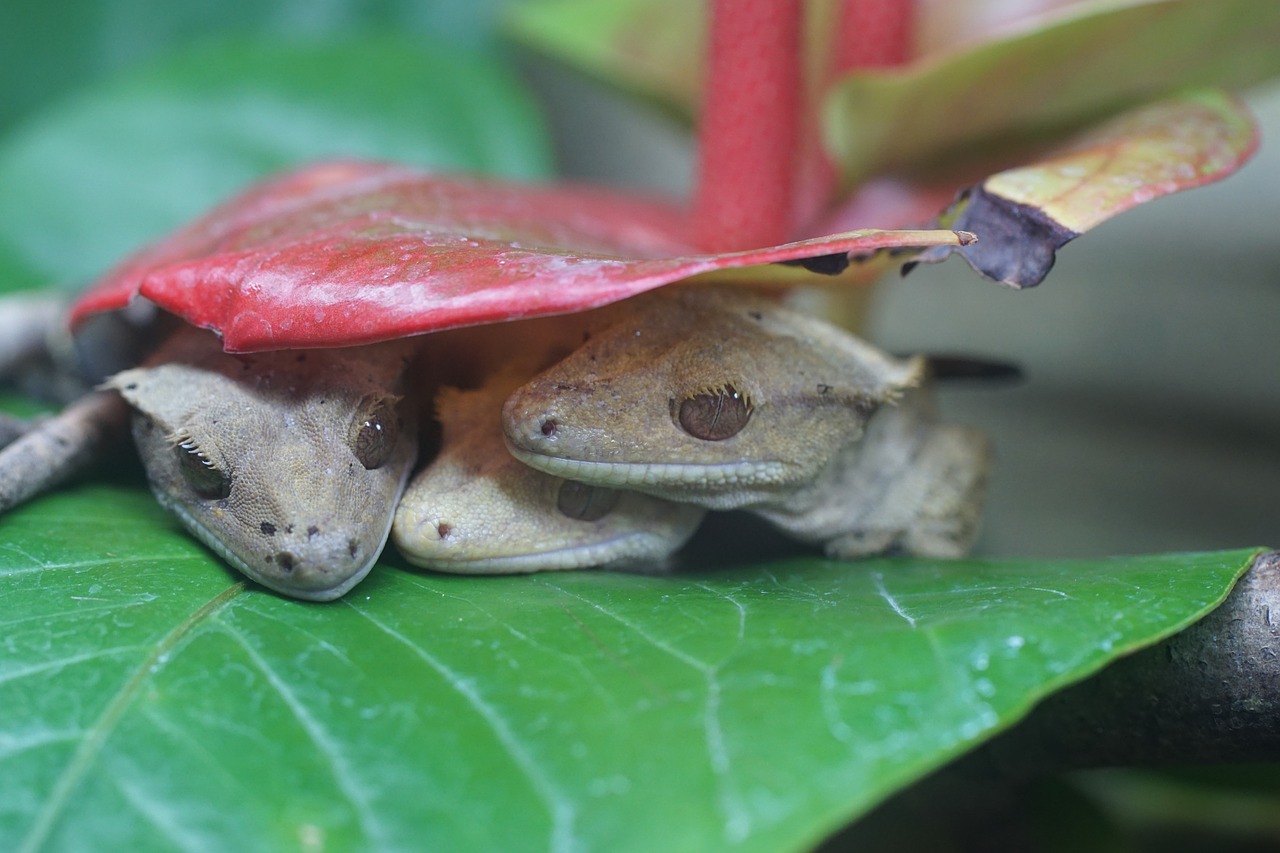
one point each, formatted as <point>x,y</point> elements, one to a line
<point>288,464</point>
<point>231,444</point>
<point>257,456</point>
<point>477,510</point>
<point>726,400</point>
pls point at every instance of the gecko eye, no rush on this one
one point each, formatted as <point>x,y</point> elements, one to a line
<point>374,433</point>
<point>583,502</point>
<point>205,479</point>
<point>715,415</point>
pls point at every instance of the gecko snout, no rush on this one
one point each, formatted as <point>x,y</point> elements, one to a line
<point>316,567</point>
<point>530,426</point>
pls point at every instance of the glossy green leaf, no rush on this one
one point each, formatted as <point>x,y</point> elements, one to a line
<point>95,176</point>
<point>152,700</point>
<point>983,104</point>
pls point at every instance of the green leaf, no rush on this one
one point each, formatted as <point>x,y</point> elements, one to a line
<point>154,701</point>
<point>93,177</point>
<point>1230,800</point>
<point>49,48</point>
<point>993,100</point>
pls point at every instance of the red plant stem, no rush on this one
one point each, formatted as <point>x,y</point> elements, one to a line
<point>868,34</point>
<point>873,34</point>
<point>750,123</point>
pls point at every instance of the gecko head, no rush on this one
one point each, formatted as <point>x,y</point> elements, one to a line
<point>709,396</point>
<point>288,465</point>
<point>477,510</point>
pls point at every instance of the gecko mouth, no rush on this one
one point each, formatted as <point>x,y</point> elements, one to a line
<point>342,582</point>
<point>623,550</point>
<point>326,585</point>
<point>654,477</point>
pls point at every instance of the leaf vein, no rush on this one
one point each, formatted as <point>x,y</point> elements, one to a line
<point>698,664</point>
<point>96,735</point>
<point>560,807</point>
<point>58,665</point>
<point>737,824</point>
<point>878,579</point>
<point>343,774</point>
<point>575,661</point>
<point>156,815</point>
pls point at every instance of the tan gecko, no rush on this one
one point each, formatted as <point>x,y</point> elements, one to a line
<point>477,510</point>
<point>723,399</point>
<point>287,464</point>
<point>231,443</point>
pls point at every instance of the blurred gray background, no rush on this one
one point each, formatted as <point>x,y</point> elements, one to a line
<point>1150,417</point>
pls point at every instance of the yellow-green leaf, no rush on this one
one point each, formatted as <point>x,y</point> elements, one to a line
<point>649,47</point>
<point>990,102</point>
<point>1159,149</point>
<point>1023,216</point>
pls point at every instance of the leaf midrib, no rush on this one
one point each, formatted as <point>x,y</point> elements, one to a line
<point>96,735</point>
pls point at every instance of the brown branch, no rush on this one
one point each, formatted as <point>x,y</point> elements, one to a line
<point>61,446</point>
<point>1208,694</point>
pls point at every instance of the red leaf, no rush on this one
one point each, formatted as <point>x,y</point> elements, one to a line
<point>351,253</point>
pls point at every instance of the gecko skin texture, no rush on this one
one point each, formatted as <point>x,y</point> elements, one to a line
<point>477,510</point>
<point>610,413</point>
<point>287,464</point>
<point>728,400</point>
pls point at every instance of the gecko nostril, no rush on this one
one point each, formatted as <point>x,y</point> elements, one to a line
<point>549,427</point>
<point>286,561</point>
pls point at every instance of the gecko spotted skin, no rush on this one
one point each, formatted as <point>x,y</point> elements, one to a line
<point>287,464</point>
